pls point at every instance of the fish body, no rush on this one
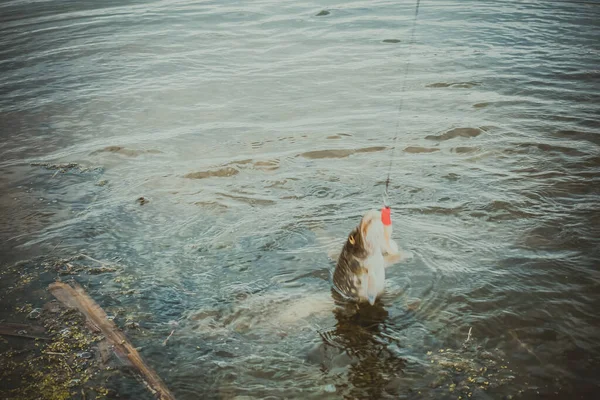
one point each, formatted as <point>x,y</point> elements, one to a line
<point>360,269</point>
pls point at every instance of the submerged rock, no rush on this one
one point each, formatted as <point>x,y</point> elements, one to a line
<point>66,167</point>
<point>85,355</point>
<point>330,388</point>
<point>219,173</point>
<point>124,151</point>
<point>132,325</point>
<point>467,370</point>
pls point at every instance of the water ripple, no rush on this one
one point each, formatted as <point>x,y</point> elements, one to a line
<point>259,133</point>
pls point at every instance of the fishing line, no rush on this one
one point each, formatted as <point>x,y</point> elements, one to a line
<point>406,68</point>
<point>402,90</point>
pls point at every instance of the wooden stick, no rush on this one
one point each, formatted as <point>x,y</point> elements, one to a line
<point>76,297</point>
<point>468,338</point>
<point>168,337</point>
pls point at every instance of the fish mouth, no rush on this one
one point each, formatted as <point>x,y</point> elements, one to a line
<point>365,225</point>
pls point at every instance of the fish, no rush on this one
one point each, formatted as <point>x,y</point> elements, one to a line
<point>369,249</point>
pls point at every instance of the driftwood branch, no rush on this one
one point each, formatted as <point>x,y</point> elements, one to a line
<point>76,297</point>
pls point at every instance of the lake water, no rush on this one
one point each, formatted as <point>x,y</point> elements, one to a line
<point>259,133</point>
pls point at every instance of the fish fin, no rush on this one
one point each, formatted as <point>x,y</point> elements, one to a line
<point>371,289</point>
<point>392,259</point>
<point>389,246</point>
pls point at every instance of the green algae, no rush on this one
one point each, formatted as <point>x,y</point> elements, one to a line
<point>66,365</point>
<point>57,369</point>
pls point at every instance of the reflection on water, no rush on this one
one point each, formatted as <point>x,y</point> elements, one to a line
<point>259,133</point>
<point>358,345</point>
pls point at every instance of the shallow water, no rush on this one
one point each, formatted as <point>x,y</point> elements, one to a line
<point>259,133</point>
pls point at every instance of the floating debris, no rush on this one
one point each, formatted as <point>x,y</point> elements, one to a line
<point>66,167</point>
<point>63,167</point>
<point>323,13</point>
<point>142,200</point>
<point>101,270</point>
<point>74,266</point>
<point>34,314</point>
<point>168,337</point>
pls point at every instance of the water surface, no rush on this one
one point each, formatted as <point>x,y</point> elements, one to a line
<point>259,133</point>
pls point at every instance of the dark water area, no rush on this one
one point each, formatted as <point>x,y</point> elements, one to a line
<point>258,133</point>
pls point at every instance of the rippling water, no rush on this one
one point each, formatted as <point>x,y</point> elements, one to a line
<point>259,133</point>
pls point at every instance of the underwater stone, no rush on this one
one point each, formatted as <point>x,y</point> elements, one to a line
<point>132,325</point>
<point>330,388</point>
<point>437,382</point>
<point>85,355</point>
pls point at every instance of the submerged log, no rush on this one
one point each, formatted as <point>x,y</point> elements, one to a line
<point>76,297</point>
<point>22,330</point>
